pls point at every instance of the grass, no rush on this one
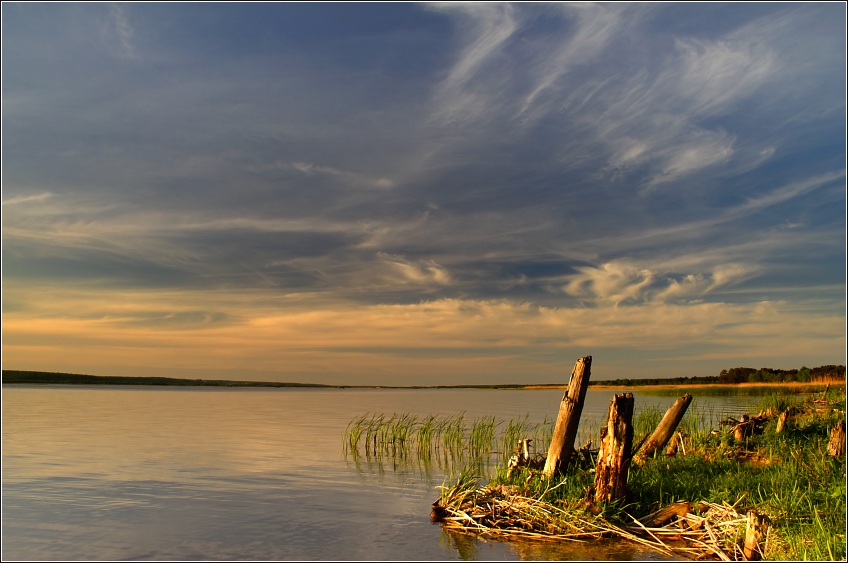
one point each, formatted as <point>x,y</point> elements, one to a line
<point>734,390</point>
<point>788,476</point>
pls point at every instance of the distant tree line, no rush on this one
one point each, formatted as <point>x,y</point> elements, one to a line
<point>821,374</point>
<point>51,378</point>
<point>769,375</point>
<point>658,381</point>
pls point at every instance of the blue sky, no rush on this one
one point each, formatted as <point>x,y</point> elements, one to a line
<point>423,193</point>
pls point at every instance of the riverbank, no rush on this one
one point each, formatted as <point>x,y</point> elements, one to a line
<point>55,378</point>
<point>707,487</point>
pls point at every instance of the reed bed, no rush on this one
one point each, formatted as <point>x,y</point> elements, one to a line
<point>433,437</point>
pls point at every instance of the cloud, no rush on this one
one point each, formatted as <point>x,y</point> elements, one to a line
<point>613,282</point>
<point>121,30</point>
<point>622,282</point>
<point>352,178</point>
<point>714,74</point>
<point>462,95</point>
<point>456,340</point>
<point>486,179</point>
<point>595,26</point>
<point>425,272</point>
<point>17,200</point>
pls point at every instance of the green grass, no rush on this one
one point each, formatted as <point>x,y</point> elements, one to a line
<point>788,476</point>
<point>735,390</point>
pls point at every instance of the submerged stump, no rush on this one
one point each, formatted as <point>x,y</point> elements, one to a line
<point>614,454</point>
<point>665,429</point>
<point>570,408</point>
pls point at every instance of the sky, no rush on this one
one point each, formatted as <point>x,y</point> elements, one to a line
<point>423,194</point>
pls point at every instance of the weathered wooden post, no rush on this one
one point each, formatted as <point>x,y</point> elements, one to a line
<point>565,431</point>
<point>665,429</point>
<point>781,422</point>
<point>614,453</point>
<point>754,536</point>
<point>836,446</point>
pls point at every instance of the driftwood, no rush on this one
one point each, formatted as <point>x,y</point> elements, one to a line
<point>836,446</point>
<point>665,429</point>
<point>614,453</point>
<point>570,408</point>
<point>747,425</point>
<point>665,515</point>
<point>711,533</point>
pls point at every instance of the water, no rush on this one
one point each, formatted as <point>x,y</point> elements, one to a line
<point>106,473</point>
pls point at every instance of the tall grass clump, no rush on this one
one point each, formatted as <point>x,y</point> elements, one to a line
<point>453,440</point>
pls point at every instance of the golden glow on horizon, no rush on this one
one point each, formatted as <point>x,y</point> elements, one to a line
<point>335,341</point>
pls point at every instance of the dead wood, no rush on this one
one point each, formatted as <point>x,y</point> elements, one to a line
<point>613,455</point>
<point>665,429</point>
<point>836,446</point>
<point>568,418</point>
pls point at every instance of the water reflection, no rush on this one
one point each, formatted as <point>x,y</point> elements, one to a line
<point>469,547</point>
<point>163,473</point>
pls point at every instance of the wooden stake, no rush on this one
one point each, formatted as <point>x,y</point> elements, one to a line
<point>565,431</point>
<point>754,535</point>
<point>614,453</point>
<point>836,447</point>
<point>665,429</point>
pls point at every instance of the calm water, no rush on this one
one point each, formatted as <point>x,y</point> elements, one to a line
<point>109,473</point>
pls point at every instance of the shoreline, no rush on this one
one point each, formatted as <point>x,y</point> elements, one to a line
<point>20,377</point>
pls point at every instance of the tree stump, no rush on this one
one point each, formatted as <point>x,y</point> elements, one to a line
<point>743,429</point>
<point>665,429</point>
<point>570,408</point>
<point>673,444</point>
<point>781,422</point>
<point>754,536</point>
<point>836,446</point>
<point>614,453</point>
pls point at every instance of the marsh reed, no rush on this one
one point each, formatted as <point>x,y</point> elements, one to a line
<point>401,436</point>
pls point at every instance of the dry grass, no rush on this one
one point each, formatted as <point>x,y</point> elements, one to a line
<point>707,530</point>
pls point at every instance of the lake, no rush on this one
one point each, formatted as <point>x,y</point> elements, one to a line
<point>165,473</point>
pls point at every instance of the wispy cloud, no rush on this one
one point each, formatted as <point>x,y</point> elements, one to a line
<point>17,200</point>
<point>353,178</point>
<point>121,30</point>
<point>622,282</point>
<point>462,96</point>
<point>595,25</point>
<point>425,272</point>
